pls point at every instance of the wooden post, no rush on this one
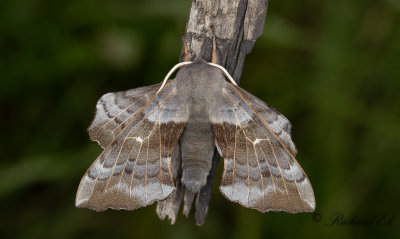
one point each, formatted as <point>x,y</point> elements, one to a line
<point>235,24</point>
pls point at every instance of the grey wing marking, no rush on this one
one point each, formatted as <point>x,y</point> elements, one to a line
<point>114,110</point>
<point>259,170</point>
<point>134,170</point>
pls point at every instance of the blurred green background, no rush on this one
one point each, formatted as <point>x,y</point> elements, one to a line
<point>331,67</point>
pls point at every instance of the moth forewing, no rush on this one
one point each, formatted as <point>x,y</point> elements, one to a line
<point>260,171</point>
<point>134,170</point>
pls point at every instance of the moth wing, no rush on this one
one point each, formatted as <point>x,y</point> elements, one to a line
<point>114,110</point>
<point>134,170</point>
<point>260,170</point>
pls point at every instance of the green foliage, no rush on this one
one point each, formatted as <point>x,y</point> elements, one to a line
<point>332,68</point>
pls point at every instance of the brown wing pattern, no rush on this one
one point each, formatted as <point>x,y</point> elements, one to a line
<point>134,170</point>
<point>114,110</point>
<point>259,170</point>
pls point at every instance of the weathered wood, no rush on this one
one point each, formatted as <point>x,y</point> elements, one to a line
<point>235,24</point>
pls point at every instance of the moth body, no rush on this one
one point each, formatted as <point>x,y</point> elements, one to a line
<point>198,83</point>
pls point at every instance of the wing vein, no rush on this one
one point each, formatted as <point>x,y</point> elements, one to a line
<point>99,171</point>
<point>247,158</point>
<point>270,172</point>
<point>160,158</point>
<point>295,181</point>
<point>115,163</point>
<point>280,170</point>
<point>134,169</point>
<point>123,170</point>
<point>261,176</point>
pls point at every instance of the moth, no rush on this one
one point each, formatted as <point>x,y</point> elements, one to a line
<point>145,131</point>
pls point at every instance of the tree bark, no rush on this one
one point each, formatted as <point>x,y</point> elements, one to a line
<point>235,25</point>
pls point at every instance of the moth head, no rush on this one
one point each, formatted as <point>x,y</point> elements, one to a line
<point>199,63</point>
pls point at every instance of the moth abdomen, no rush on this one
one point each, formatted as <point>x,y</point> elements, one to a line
<point>197,147</point>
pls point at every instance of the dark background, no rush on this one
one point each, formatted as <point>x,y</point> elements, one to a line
<point>331,67</point>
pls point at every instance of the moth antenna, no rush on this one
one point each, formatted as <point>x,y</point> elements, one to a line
<point>226,73</point>
<point>179,65</point>
<point>214,55</point>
